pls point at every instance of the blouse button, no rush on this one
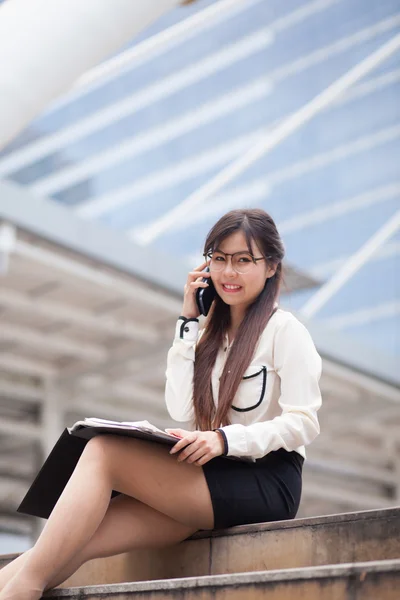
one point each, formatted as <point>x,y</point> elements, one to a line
<point>186,329</point>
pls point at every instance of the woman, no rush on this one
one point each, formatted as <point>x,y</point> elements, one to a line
<point>248,384</point>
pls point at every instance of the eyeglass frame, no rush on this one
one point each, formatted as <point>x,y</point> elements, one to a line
<point>254,259</point>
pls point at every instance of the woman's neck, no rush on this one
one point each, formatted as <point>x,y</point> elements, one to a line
<point>237,316</point>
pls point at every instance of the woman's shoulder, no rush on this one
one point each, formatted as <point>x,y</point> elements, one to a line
<point>282,316</point>
<point>282,320</point>
<point>283,330</point>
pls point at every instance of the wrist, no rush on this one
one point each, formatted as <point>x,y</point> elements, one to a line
<point>224,442</point>
<point>190,310</point>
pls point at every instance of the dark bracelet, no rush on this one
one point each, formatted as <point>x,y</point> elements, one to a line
<point>222,432</point>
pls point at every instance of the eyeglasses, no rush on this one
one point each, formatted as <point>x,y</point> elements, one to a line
<point>242,262</point>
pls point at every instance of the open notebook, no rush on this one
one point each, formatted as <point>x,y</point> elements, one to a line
<point>90,425</point>
<point>49,483</point>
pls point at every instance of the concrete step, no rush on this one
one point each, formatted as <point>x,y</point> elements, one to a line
<point>378,580</point>
<point>344,538</point>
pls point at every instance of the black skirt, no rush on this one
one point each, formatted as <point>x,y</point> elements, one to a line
<point>255,492</point>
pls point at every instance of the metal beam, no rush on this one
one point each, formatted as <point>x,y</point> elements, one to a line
<point>96,275</point>
<point>326,447</point>
<point>130,392</point>
<point>351,470</point>
<point>20,391</point>
<point>11,492</point>
<point>107,410</point>
<point>54,343</point>
<point>17,466</point>
<point>148,373</point>
<point>212,110</point>
<point>371,429</point>
<point>338,208</point>
<point>324,269</point>
<point>352,266</point>
<point>156,91</point>
<point>173,175</point>
<point>282,131</point>
<point>259,189</point>
<point>119,361</point>
<point>58,224</point>
<point>389,431</point>
<point>154,45</point>
<point>54,310</point>
<point>15,363</point>
<point>362,316</point>
<point>15,524</point>
<point>212,63</point>
<point>343,497</point>
<point>369,415</point>
<point>168,177</point>
<point>10,427</point>
<point>11,474</point>
<point>369,383</point>
<point>339,388</point>
<point>64,178</point>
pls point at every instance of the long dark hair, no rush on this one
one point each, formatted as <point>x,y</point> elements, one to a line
<point>257,226</point>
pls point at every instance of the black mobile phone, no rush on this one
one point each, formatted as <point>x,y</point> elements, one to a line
<point>205,296</point>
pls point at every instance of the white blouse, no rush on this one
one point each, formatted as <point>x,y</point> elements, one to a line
<point>277,401</point>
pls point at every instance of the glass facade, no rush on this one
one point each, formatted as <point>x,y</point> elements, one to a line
<point>132,149</point>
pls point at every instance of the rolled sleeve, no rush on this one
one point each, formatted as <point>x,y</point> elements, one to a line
<point>187,329</point>
<point>179,373</point>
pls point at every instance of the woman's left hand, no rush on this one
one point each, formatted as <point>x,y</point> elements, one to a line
<point>197,447</point>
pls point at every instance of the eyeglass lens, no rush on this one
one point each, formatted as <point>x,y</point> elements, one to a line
<point>241,262</point>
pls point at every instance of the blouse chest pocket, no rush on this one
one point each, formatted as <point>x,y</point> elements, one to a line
<point>252,389</point>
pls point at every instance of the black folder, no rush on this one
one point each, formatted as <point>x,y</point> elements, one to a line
<point>52,478</point>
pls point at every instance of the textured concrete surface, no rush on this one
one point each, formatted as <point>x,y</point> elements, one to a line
<point>379,580</point>
<point>329,540</point>
<point>353,537</point>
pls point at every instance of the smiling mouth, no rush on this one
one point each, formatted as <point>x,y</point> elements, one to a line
<point>230,288</point>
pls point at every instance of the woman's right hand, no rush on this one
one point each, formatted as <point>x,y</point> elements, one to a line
<point>194,281</point>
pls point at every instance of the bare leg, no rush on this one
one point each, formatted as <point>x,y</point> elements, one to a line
<point>8,572</point>
<point>128,524</point>
<point>136,468</point>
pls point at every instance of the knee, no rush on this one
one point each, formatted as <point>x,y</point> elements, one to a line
<point>95,450</point>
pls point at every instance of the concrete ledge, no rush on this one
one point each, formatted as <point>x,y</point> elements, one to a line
<point>360,579</point>
<point>336,539</point>
<point>365,536</point>
<point>306,522</point>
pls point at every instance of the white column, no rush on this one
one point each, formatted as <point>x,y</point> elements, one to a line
<point>52,420</point>
<point>8,237</point>
<point>45,46</point>
<point>393,448</point>
<point>52,425</point>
